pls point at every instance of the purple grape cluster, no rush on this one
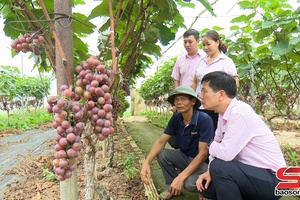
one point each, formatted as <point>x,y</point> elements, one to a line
<point>28,42</point>
<point>93,85</point>
<point>69,126</point>
<point>88,100</point>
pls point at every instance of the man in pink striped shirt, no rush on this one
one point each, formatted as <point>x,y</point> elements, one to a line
<point>185,66</point>
<point>244,154</point>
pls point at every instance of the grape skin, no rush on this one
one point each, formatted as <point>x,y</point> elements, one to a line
<point>28,43</point>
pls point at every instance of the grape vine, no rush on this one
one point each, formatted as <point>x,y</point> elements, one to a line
<point>89,101</point>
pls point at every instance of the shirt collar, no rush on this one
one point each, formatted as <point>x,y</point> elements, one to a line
<point>233,103</point>
<point>194,119</point>
<point>197,54</point>
<point>221,56</point>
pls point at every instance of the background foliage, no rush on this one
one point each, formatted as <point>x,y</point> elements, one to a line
<point>16,87</point>
<point>21,92</point>
<point>264,44</point>
<point>160,83</point>
<point>140,28</point>
<point>267,56</point>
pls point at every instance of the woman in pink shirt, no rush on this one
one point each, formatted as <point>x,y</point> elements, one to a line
<point>215,60</point>
<point>244,155</point>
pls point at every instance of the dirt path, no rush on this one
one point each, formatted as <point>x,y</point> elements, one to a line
<point>288,137</point>
<point>30,142</point>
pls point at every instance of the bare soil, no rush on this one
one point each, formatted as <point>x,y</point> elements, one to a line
<point>24,178</point>
<point>21,171</point>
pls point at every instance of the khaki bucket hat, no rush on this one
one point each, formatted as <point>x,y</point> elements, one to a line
<point>184,90</point>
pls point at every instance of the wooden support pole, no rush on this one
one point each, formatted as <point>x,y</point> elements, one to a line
<point>58,44</point>
<point>68,188</point>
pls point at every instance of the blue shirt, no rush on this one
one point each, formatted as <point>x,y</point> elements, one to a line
<point>200,129</point>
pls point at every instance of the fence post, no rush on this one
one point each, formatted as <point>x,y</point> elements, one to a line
<point>68,187</point>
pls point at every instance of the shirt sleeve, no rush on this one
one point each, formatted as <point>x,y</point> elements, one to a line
<point>171,127</point>
<point>176,73</point>
<point>218,133</point>
<point>234,139</point>
<point>231,67</point>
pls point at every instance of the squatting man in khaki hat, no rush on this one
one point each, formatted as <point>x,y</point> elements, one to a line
<point>194,130</point>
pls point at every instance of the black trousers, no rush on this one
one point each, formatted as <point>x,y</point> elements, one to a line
<point>170,159</point>
<point>237,181</point>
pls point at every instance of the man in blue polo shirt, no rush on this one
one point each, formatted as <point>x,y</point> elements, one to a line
<point>194,130</point>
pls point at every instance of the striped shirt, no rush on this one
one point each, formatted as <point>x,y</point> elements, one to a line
<point>185,68</point>
<point>222,63</point>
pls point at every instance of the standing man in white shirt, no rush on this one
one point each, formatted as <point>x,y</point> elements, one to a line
<point>185,67</point>
<point>186,64</point>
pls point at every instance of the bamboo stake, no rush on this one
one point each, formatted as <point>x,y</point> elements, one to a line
<point>150,189</point>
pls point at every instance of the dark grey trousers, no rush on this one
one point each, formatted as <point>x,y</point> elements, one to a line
<point>172,159</point>
<point>235,180</point>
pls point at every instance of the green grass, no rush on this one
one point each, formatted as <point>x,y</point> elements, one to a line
<point>158,119</point>
<point>127,114</point>
<point>24,119</point>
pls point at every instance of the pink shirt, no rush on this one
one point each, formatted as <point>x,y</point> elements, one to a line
<point>222,63</point>
<point>185,68</point>
<point>243,136</point>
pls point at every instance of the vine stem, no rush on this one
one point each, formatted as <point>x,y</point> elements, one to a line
<point>132,27</point>
<point>89,161</point>
<point>112,39</point>
<point>29,15</point>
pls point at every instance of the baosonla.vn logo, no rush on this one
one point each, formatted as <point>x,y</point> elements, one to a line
<point>290,185</point>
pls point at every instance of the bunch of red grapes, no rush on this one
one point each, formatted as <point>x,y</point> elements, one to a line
<point>28,43</point>
<point>88,100</point>
<point>68,125</point>
<point>93,85</point>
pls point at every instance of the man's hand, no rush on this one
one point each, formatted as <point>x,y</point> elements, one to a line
<point>145,173</point>
<point>199,183</point>
<point>176,187</point>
